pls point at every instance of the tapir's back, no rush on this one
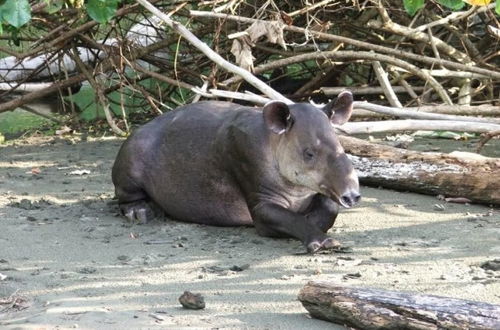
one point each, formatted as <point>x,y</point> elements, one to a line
<point>174,159</point>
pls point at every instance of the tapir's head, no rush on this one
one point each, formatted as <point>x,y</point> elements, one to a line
<point>308,152</point>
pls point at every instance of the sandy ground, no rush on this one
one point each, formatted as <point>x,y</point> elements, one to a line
<point>68,260</point>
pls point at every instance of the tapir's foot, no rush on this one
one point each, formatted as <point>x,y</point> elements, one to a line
<point>138,211</point>
<point>323,244</point>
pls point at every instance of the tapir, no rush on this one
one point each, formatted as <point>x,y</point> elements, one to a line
<point>280,168</point>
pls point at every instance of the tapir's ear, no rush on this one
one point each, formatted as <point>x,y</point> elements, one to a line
<point>339,110</point>
<point>277,116</point>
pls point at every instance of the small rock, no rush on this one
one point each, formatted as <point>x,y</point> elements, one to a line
<point>192,301</point>
<point>3,277</point>
<point>491,265</point>
<point>241,268</point>
<point>87,270</point>
<point>123,258</point>
<point>351,275</point>
<point>30,218</point>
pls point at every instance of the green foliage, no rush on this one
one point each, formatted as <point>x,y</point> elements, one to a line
<point>102,10</point>
<point>91,109</point>
<point>20,121</point>
<point>53,6</point>
<point>497,7</point>
<point>453,4</point>
<point>412,6</point>
<point>16,13</point>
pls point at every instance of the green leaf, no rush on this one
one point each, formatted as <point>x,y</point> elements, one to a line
<point>412,6</point>
<point>497,7</point>
<point>102,10</point>
<point>16,13</point>
<point>452,4</point>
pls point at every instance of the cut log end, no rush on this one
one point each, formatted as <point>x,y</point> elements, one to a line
<point>367,308</point>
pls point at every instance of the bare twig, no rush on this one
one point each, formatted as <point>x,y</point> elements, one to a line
<point>99,92</point>
<point>357,43</point>
<point>386,85</point>
<point>352,55</point>
<point>191,38</point>
<point>406,113</point>
<point>485,138</point>
<point>416,125</point>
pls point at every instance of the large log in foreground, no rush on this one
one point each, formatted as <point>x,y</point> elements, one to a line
<point>366,308</point>
<point>471,176</point>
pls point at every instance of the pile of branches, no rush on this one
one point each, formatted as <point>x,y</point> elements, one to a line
<point>437,61</point>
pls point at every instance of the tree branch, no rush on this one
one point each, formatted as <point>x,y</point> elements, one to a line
<point>357,43</point>
<point>352,55</point>
<point>192,39</point>
<point>416,125</point>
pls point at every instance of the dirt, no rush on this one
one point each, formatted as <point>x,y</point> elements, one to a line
<point>68,259</point>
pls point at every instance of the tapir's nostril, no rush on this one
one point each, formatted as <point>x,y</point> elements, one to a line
<point>356,198</point>
<point>350,199</point>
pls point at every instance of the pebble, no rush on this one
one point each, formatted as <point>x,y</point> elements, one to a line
<point>192,301</point>
<point>351,275</point>
<point>87,270</point>
<point>491,265</point>
<point>241,268</point>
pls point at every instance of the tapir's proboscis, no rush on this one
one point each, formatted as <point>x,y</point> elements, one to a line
<point>280,167</point>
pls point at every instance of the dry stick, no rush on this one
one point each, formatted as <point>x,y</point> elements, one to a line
<point>415,125</point>
<point>309,8</point>
<point>41,114</point>
<point>390,26</point>
<point>369,90</point>
<point>479,110</point>
<point>454,17</point>
<point>99,91</point>
<point>353,55</point>
<point>406,113</point>
<point>192,39</point>
<point>71,33</point>
<point>485,139</point>
<point>133,55</point>
<point>386,85</point>
<point>455,74</point>
<point>357,43</point>
<point>160,77</point>
<point>406,86</point>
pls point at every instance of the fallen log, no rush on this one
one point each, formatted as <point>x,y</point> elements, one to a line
<point>456,174</point>
<point>367,308</point>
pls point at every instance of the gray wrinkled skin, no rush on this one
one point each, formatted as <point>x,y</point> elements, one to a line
<point>280,168</point>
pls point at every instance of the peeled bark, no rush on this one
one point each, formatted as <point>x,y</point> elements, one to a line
<point>366,308</point>
<point>457,174</point>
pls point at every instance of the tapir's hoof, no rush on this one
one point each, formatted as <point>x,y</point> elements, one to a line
<point>313,247</point>
<point>327,244</point>
<point>330,243</point>
<point>138,211</point>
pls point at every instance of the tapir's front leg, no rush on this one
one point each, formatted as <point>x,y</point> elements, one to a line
<point>276,221</point>
<point>322,211</point>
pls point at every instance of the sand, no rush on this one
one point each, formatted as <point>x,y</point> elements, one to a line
<point>69,260</point>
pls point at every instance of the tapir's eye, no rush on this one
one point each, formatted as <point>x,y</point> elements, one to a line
<point>309,154</point>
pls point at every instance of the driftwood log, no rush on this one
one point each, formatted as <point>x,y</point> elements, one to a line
<point>456,174</point>
<point>366,308</point>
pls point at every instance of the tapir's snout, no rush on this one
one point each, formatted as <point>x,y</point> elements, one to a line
<point>350,199</point>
